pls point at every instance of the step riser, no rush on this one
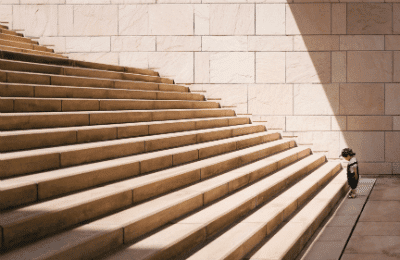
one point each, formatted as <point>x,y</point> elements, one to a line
<point>28,51</point>
<point>76,136</point>
<point>9,105</point>
<point>16,38</point>
<point>30,230</point>
<point>21,122</point>
<point>25,46</point>
<point>6,31</point>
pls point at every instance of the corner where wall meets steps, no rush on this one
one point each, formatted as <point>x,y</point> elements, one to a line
<point>110,162</point>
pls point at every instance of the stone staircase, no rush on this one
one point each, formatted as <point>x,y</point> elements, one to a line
<point>110,162</point>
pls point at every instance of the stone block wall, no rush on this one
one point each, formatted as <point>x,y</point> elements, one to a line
<point>325,71</point>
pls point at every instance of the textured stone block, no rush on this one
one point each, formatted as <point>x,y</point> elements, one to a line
<point>392,147</point>
<point>369,123</point>
<point>396,123</point>
<point>316,43</point>
<point>232,67</point>
<point>359,18</point>
<point>87,44</point>
<point>362,42</point>
<point>95,20</point>
<point>392,42</point>
<point>270,67</point>
<point>86,1</point>
<point>202,67</point>
<point>362,99</point>
<point>232,95</point>
<point>232,19</point>
<point>396,66</point>
<point>6,14</point>
<point>271,121</point>
<point>392,94</point>
<point>174,19</point>
<point>327,142</point>
<point>133,19</point>
<point>316,99</point>
<point>65,20</point>
<point>270,19</point>
<point>308,123</point>
<point>104,57</point>
<point>339,18</point>
<point>270,43</point>
<point>371,66</point>
<point>396,18</point>
<point>176,65</point>
<point>375,168</point>
<point>339,66</point>
<point>58,42</point>
<point>339,123</point>
<point>178,43</point>
<point>134,59</point>
<point>133,43</point>
<point>308,67</point>
<point>224,43</point>
<point>202,19</point>
<point>368,146</point>
<point>267,99</point>
<point>308,19</point>
<point>38,20</point>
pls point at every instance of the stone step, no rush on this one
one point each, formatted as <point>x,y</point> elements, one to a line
<point>245,235</point>
<point>33,52</point>
<point>16,38</point>
<point>40,186</point>
<point>23,45</point>
<point>27,104</point>
<point>302,226</point>
<point>40,138</point>
<point>30,161</point>
<point>198,227</point>
<point>53,91</point>
<point>20,121</point>
<point>30,223</point>
<point>11,65</point>
<point>2,26</point>
<point>10,55</point>
<point>61,80</point>
<point>107,233</point>
<point>6,31</point>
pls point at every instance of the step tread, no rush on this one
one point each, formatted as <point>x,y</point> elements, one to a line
<point>230,241</point>
<point>29,51</point>
<point>301,222</point>
<point>24,45</point>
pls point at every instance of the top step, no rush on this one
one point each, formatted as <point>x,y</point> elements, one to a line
<point>3,27</point>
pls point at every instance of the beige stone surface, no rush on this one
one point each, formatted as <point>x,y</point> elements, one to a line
<point>232,19</point>
<point>396,168</point>
<point>270,67</point>
<point>231,95</point>
<point>316,99</point>
<point>362,42</point>
<point>202,67</point>
<point>396,18</point>
<point>224,43</point>
<point>308,67</point>
<point>231,67</point>
<point>167,19</point>
<point>368,146</point>
<point>375,168</point>
<point>396,66</point>
<point>133,43</point>
<point>133,20</point>
<point>38,20</point>
<point>95,20</point>
<point>176,65</point>
<point>101,57</point>
<point>134,59</point>
<point>265,99</point>
<point>316,43</point>
<point>85,1</point>
<point>271,121</point>
<point>339,66</point>
<point>270,43</point>
<point>339,18</point>
<point>387,245</point>
<point>321,141</point>
<point>392,146</point>
<point>339,123</point>
<point>58,42</point>
<point>178,43</point>
<point>87,44</point>
<point>65,20</point>
<point>270,19</point>
<point>369,123</point>
<point>6,14</point>
<point>369,18</point>
<point>396,123</point>
<point>371,66</point>
<point>392,42</point>
<point>308,19</point>
<point>362,99</point>
<point>202,19</point>
<point>308,123</point>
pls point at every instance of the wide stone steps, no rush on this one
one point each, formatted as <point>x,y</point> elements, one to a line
<point>53,91</point>
<point>140,219</point>
<point>6,31</point>
<point>300,228</point>
<point>198,227</point>
<point>81,72</point>
<point>23,45</point>
<point>15,38</point>
<point>61,80</point>
<point>20,104</point>
<point>26,189</point>
<point>41,138</point>
<point>34,52</point>
<point>29,161</point>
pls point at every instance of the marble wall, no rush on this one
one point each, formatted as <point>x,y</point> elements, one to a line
<point>323,70</point>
